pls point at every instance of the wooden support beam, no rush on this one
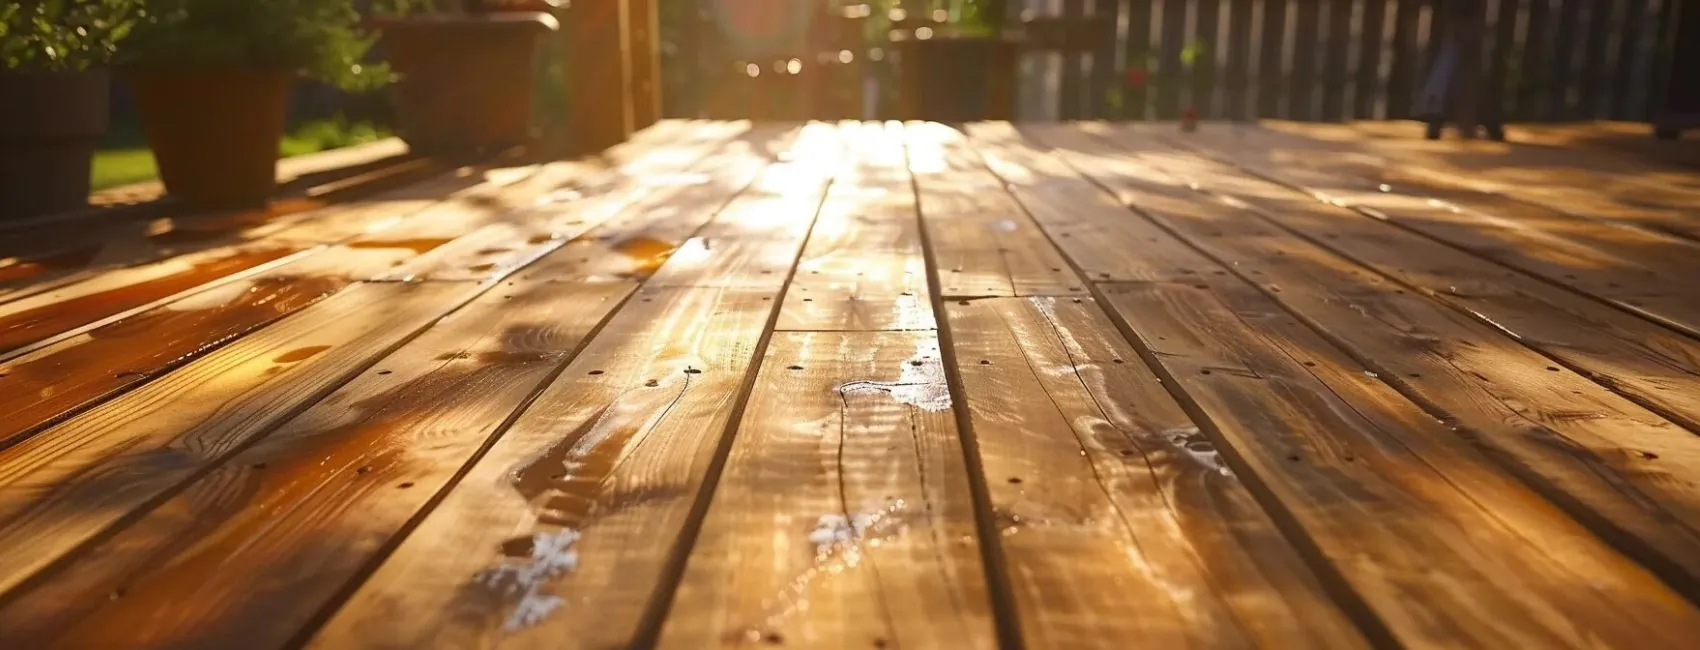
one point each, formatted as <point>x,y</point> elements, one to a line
<point>599,55</point>
<point>643,28</point>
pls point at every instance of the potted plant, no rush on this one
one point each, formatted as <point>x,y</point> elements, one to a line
<point>211,80</point>
<point>466,72</point>
<point>55,90</point>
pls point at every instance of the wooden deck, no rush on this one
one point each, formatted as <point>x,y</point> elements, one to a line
<point>870,385</point>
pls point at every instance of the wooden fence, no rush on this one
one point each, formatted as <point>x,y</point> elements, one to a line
<point>1314,60</point>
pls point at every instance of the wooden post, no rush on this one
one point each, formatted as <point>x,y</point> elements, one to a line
<point>645,29</point>
<point>600,74</point>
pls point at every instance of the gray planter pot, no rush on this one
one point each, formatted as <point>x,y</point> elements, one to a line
<point>50,125</point>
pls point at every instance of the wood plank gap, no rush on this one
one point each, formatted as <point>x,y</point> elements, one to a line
<point>1362,618</point>
<point>1475,493</point>
<point>1006,618</point>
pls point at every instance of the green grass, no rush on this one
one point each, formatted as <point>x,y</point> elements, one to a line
<point>123,162</point>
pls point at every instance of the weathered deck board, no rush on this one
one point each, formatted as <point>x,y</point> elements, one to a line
<point>73,481</point>
<point>1608,460</point>
<point>635,243</point>
<point>565,531</point>
<point>843,517</point>
<point>1622,280</point>
<point>1652,365</point>
<point>693,394</point>
<point>1117,519</point>
<point>863,268</point>
<point>1097,477</point>
<point>980,238</point>
<point>1317,439</point>
<point>308,507</point>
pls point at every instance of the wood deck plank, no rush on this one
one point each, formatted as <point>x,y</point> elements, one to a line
<point>308,507</point>
<point>649,231</point>
<point>843,517</point>
<point>567,529</point>
<point>1652,365</point>
<point>95,362</point>
<point>1117,520</point>
<point>1609,461</point>
<point>863,268</point>
<point>77,479</point>
<point>1622,280</point>
<point>1097,478</point>
<point>537,215</point>
<point>980,238</point>
<point>1398,508</point>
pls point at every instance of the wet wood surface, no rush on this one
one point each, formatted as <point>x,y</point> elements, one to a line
<point>876,385</point>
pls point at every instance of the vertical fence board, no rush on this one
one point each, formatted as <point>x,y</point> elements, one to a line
<point>1502,30</point>
<point>1103,58</point>
<point>1073,83</point>
<point>1402,71</point>
<point>1271,77</point>
<point>1602,22</point>
<point>1302,86</point>
<point>1136,80</point>
<point>1170,80</point>
<point>1338,53</point>
<point>1205,44</point>
<point>1371,42</point>
<point>1629,55</point>
<point>1236,75</point>
<point>1562,104</point>
<point>1537,45</point>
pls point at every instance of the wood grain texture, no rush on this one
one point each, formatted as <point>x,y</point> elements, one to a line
<point>1613,463</point>
<point>843,517</point>
<point>1654,366</point>
<point>1324,444</point>
<point>1117,518</point>
<point>558,535</point>
<point>47,384</point>
<point>753,241</point>
<point>564,533</point>
<point>646,233</point>
<point>1621,278</point>
<point>535,216</point>
<point>42,316</point>
<point>303,511</point>
<point>75,480</point>
<point>980,239</point>
<point>864,267</point>
<point>1402,509</point>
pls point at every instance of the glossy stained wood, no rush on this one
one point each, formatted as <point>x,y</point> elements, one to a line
<point>74,480</point>
<point>1654,366</point>
<point>307,508</point>
<point>1286,426</point>
<point>843,517</point>
<point>1377,480</point>
<point>980,239</point>
<point>1615,464</point>
<point>605,465</point>
<point>649,230</point>
<point>1198,407</point>
<point>1117,518</point>
<point>45,385</point>
<point>588,497</point>
<point>1619,277</point>
<point>864,268</point>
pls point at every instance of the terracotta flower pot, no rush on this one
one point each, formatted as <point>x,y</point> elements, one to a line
<point>50,125</point>
<point>467,81</point>
<point>214,132</point>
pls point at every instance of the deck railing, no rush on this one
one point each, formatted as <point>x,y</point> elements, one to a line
<point>1313,60</point>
